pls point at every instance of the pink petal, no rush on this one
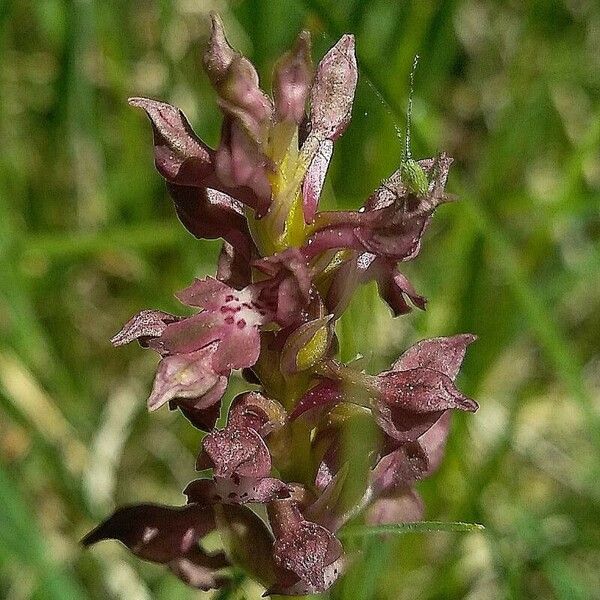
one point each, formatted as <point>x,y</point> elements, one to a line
<point>206,293</point>
<point>191,334</point>
<point>240,348</point>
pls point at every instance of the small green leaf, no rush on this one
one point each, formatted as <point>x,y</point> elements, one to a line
<point>402,528</point>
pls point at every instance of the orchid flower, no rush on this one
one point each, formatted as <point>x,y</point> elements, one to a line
<point>285,275</point>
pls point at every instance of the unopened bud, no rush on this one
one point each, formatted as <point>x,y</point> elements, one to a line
<point>292,77</point>
<point>333,90</point>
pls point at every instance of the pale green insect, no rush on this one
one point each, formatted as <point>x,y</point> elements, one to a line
<point>413,175</point>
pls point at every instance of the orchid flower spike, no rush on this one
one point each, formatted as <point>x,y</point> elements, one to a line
<point>285,275</point>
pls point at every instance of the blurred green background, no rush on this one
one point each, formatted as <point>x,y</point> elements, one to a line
<point>88,237</point>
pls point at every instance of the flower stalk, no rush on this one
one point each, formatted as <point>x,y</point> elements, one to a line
<point>285,275</point>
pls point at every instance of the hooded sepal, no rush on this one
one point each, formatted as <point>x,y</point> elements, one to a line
<point>287,291</point>
<point>258,412</point>
<point>308,556</point>
<point>239,451</point>
<point>410,402</point>
<point>180,155</point>
<point>442,354</point>
<point>392,221</point>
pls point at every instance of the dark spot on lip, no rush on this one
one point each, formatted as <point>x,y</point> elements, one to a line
<point>229,320</point>
<point>228,298</point>
<point>241,324</point>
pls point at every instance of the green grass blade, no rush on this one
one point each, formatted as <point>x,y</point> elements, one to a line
<point>402,528</point>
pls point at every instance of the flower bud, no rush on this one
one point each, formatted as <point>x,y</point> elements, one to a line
<point>292,77</point>
<point>306,346</point>
<point>219,53</point>
<point>236,82</point>
<point>241,97</point>
<point>333,90</point>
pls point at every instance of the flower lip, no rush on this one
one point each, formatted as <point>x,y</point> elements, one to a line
<point>235,490</point>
